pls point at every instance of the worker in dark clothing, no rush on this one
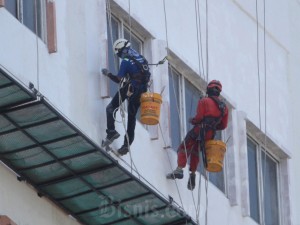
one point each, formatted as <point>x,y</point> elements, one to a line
<point>133,76</point>
<point>212,115</point>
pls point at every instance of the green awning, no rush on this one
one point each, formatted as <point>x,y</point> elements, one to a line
<point>63,164</point>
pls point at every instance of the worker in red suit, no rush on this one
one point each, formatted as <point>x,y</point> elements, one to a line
<point>212,115</point>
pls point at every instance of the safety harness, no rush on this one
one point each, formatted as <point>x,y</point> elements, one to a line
<point>210,123</point>
<point>143,76</point>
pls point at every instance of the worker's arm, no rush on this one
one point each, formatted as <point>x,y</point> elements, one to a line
<point>122,72</point>
<point>114,78</point>
<point>223,124</point>
<point>200,112</point>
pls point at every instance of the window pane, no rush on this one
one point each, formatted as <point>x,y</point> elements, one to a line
<point>41,11</point>
<point>136,44</point>
<point>192,96</point>
<point>271,208</point>
<point>11,6</point>
<point>253,181</point>
<point>29,14</point>
<point>113,61</point>
<point>218,178</point>
<point>174,103</point>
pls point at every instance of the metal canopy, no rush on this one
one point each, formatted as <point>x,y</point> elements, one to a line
<point>50,153</point>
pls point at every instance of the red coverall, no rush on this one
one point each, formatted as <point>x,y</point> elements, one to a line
<point>207,107</point>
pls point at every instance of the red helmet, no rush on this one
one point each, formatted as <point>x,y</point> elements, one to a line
<point>215,84</point>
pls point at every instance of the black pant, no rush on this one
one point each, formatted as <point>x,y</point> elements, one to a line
<point>133,106</point>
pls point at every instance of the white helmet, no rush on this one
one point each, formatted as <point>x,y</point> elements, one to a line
<point>120,44</point>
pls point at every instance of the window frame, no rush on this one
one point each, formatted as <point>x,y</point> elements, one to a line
<point>178,109</point>
<point>40,30</point>
<point>120,34</point>
<point>183,79</point>
<point>260,151</point>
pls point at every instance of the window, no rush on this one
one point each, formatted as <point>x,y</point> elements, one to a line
<point>174,83</point>
<point>32,13</point>
<point>191,97</point>
<point>263,185</point>
<point>217,178</point>
<point>113,61</point>
<point>116,29</point>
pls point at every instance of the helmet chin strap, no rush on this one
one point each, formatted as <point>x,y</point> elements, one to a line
<point>122,53</point>
<point>212,92</point>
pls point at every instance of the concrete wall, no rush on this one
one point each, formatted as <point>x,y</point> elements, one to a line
<point>294,79</point>
<point>71,80</point>
<point>20,202</point>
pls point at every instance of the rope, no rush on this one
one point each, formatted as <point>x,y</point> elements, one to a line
<point>206,191</point>
<point>37,46</point>
<point>162,134</point>
<point>177,106</point>
<point>207,58</point>
<point>265,102</point>
<point>129,19</point>
<point>121,105</point>
<point>265,138</point>
<point>199,39</point>
<point>258,66</point>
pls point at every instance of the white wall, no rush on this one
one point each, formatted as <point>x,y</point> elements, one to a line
<point>294,79</point>
<point>21,204</point>
<point>70,78</point>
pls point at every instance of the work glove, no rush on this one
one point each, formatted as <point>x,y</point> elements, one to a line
<point>105,72</point>
<point>192,121</point>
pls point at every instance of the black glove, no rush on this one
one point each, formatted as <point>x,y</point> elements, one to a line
<point>105,72</point>
<point>192,121</point>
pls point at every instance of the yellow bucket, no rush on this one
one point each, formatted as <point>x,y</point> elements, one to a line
<point>215,151</point>
<point>150,108</point>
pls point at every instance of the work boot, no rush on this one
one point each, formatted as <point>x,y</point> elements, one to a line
<point>110,137</point>
<point>191,182</point>
<point>123,150</point>
<point>176,174</point>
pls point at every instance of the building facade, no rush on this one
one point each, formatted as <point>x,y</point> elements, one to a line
<point>251,47</point>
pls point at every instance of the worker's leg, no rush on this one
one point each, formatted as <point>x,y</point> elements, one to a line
<point>119,97</point>
<point>183,153</point>
<point>194,158</point>
<point>133,106</point>
<point>194,161</point>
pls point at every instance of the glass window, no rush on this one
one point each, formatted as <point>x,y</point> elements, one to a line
<point>253,180</point>
<point>217,178</point>
<point>41,16</point>
<point>174,91</point>
<point>192,96</point>
<point>113,28</point>
<point>30,10</point>
<point>113,60</point>
<point>29,14</point>
<point>11,6</point>
<point>136,44</point>
<point>263,185</point>
<point>270,193</point>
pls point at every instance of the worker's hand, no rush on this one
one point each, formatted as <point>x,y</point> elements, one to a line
<point>105,71</point>
<point>191,121</point>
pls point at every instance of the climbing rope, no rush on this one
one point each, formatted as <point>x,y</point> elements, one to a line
<point>264,150</point>
<point>37,45</point>
<point>177,107</point>
<point>121,104</point>
<point>179,115</point>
